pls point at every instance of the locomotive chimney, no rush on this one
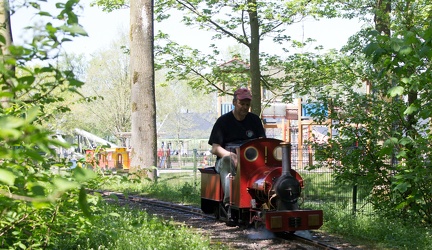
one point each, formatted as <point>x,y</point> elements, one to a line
<point>286,158</point>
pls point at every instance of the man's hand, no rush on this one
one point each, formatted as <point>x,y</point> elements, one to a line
<point>233,159</point>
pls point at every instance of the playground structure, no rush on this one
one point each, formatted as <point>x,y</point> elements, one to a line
<point>101,153</point>
<point>287,118</point>
<point>108,158</point>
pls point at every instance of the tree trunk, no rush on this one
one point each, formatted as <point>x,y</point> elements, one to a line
<point>6,32</point>
<point>143,103</point>
<point>382,16</point>
<point>255,71</point>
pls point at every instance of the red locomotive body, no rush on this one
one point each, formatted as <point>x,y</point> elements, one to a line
<point>264,189</point>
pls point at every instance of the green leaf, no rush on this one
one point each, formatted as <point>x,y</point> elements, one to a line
<point>38,190</point>
<point>425,51</point>
<point>26,80</point>
<point>402,205</point>
<point>75,29</point>
<point>21,245</point>
<point>6,94</point>
<point>402,187</point>
<point>11,122</point>
<point>378,53</point>
<point>397,90</point>
<point>410,37</point>
<point>370,49</point>
<point>83,175</point>
<point>44,13</point>
<point>32,113</point>
<point>401,154</point>
<point>388,146</point>
<point>82,201</point>
<point>7,177</point>
<point>10,133</point>
<point>395,46</point>
<point>64,185</point>
<point>405,141</point>
<point>41,204</point>
<point>391,141</point>
<point>411,109</point>
<point>75,82</point>
<point>405,80</point>
<point>405,50</point>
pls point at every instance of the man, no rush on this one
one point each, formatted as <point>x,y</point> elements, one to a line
<point>237,125</point>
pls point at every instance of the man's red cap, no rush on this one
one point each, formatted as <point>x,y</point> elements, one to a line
<point>243,93</point>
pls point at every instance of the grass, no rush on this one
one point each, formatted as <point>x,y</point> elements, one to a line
<point>371,231</point>
<point>175,187</point>
<point>376,232</point>
<point>126,228</point>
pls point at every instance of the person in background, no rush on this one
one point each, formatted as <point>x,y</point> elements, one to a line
<point>168,156</point>
<point>74,161</point>
<point>160,155</point>
<point>234,126</point>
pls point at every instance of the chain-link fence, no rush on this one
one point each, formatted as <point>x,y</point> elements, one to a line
<point>187,160</point>
<point>320,186</point>
<point>322,189</point>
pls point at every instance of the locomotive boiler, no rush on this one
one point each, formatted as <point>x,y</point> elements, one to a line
<point>264,189</point>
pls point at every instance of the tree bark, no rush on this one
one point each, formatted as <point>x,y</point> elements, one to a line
<point>143,103</point>
<point>382,16</point>
<point>255,71</point>
<point>6,32</point>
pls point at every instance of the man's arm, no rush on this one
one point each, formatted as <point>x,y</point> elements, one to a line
<point>219,151</point>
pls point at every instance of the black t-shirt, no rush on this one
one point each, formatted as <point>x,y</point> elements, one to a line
<point>228,129</point>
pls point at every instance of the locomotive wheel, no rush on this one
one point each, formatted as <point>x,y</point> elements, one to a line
<point>208,206</point>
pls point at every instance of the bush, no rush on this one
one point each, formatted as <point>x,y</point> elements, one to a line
<point>37,206</point>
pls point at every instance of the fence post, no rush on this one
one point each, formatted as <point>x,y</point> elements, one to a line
<point>195,164</point>
<point>354,199</point>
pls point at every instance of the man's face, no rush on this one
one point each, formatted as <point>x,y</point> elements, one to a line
<point>242,106</point>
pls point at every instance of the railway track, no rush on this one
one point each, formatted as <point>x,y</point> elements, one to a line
<point>190,210</point>
<point>314,243</point>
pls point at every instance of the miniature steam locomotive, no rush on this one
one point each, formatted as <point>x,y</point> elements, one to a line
<point>264,189</point>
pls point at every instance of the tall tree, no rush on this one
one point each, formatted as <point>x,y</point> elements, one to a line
<point>384,137</point>
<point>5,26</point>
<point>143,103</point>
<point>6,35</point>
<point>247,22</point>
